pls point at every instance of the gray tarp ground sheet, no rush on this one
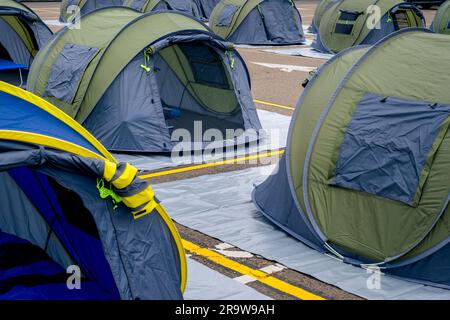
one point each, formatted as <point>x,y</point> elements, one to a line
<point>207,284</point>
<point>276,125</point>
<point>220,205</point>
<point>304,52</point>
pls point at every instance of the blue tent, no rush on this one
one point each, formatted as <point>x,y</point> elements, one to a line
<point>65,201</point>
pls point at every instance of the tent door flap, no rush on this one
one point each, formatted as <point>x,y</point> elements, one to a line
<point>389,145</point>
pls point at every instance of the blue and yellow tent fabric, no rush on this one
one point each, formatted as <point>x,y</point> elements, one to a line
<point>66,201</point>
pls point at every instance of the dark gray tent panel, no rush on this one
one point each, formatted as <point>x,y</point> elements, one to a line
<point>258,22</point>
<point>173,86</point>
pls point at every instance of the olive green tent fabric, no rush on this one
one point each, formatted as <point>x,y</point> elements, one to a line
<point>350,22</point>
<point>441,23</point>
<point>320,91</point>
<point>370,226</point>
<point>319,12</point>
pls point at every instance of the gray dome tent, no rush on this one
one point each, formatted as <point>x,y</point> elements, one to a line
<point>84,7</point>
<point>189,7</point>
<point>366,174</point>
<point>258,22</point>
<point>133,79</point>
<point>347,23</point>
<point>441,22</point>
<point>22,35</point>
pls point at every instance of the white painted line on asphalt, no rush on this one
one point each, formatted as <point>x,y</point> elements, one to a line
<point>55,23</point>
<point>285,67</point>
<point>245,279</point>
<point>234,254</point>
<point>273,268</point>
<point>224,246</point>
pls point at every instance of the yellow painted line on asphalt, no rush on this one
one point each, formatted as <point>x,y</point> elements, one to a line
<point>257,274</point>
<point>212,164</point>
<point>270,104</point>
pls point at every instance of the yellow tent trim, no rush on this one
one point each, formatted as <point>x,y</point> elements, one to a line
<point>56,143</point>
<point>57,113</point>
<point>176,236</point>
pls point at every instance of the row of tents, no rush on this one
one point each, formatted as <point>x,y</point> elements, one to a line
<point>200,9</point>
<point>240,21</point>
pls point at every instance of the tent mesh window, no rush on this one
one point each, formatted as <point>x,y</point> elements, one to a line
<point>402,20</point>
<point>346,21</point>
<point>206,65</point>
<point>201,88</point>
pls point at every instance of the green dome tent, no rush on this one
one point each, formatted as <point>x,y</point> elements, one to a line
<point>441,22</point>
<point>347,23</point>
<point>22,35</point>
<point>366,174</point>
<point>258,22</point>
<point>135,80</point>
<point>321,8</point>
<point>190,7</point>
<point>66,204</point>
<point>84,7</point>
